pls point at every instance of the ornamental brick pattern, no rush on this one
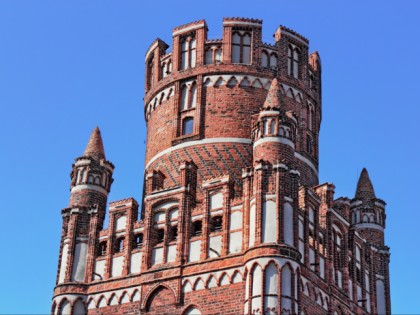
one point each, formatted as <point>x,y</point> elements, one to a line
<point>233,219</point>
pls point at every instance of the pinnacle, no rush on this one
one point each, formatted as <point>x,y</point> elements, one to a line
<point>364,188</point>
<point>273,99</point>
<point>95,147</point>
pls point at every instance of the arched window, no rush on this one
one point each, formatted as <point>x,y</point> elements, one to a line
<point>193,96</point>
<point>150,69</point>
<point>273,61</point>
<point>78,308</point>
<point>264,59</point>
<point>293,62</point>
<point>188,53</point>
<point>236,47</point>
<point>164,70</point>
<point>256,289</point>
<point>188,126</point>
<point>246,49</point>
<point>286,289</point>
<point>359,276</point>
<point>296,63</point>
<point>192,311</point>
<point>311,81</point>
<point>218,55</point>
<point>65,308</point>
<point>338,256</point>
<point>184,97</point>
<point>241,47</point>
<point>184,54</point>
<point>209,56</point>
<point>273,127</point>
<point>309,144</point>
<point>197,227</point>
<point>309,116</point>
<point>288,224</point>
<point>192,52</point>
<point>271,287</point>
<point>169,67</point>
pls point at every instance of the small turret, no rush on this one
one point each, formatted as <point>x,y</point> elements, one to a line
<point>368,212</point>
<point>274,131</point>
<point>91,176</point>
<point>91,179</point>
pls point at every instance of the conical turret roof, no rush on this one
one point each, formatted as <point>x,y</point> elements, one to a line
<point>274,97</point>
<point>364,188</point>
<point>95,147</point>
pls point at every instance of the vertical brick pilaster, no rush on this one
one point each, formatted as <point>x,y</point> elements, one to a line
<point>110,246</point>
<point>247,189</point>
<point>226,219</point>
<point>205,227</point>
<point>227,44</point>
<point>92,243</point>
<point>72,244</point>
<point>259,177</point>
<point>147,238</point>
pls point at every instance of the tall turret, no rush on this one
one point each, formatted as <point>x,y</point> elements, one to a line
<point>91,179</point>
<point>368,212</point>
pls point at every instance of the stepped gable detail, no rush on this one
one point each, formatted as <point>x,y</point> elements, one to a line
<point>233,219</point>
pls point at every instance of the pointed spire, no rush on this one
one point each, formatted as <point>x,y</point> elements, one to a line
<point>274,97</point>
<point>364,188</point>
<point>95,147</point>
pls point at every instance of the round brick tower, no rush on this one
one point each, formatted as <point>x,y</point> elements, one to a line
<point>201,98</point>
<point>233,130</point>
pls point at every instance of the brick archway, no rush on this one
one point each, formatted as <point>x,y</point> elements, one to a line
<point>161,301</point>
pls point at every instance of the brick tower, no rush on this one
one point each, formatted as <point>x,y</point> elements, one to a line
<point>234,219</point>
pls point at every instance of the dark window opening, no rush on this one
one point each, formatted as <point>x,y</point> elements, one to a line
<point>359,276</point>
<point>173,235</point>
<point>160,235</point>
<point>309,144</point>
<point>187,126</point>
<point>119,245</point>
<point>138,241</point>
<point>217,222</point>
<point>102,249</point>
<point>196,228</point>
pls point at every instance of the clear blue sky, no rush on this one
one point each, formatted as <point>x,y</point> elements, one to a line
<point>68,66</point>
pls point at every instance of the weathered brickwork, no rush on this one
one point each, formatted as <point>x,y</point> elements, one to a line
<point>233,219</point>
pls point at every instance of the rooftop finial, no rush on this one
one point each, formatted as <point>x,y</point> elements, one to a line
<point>364,188</point>
<point>95,147</point>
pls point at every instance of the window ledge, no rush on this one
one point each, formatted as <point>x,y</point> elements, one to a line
<point>186,138</point>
